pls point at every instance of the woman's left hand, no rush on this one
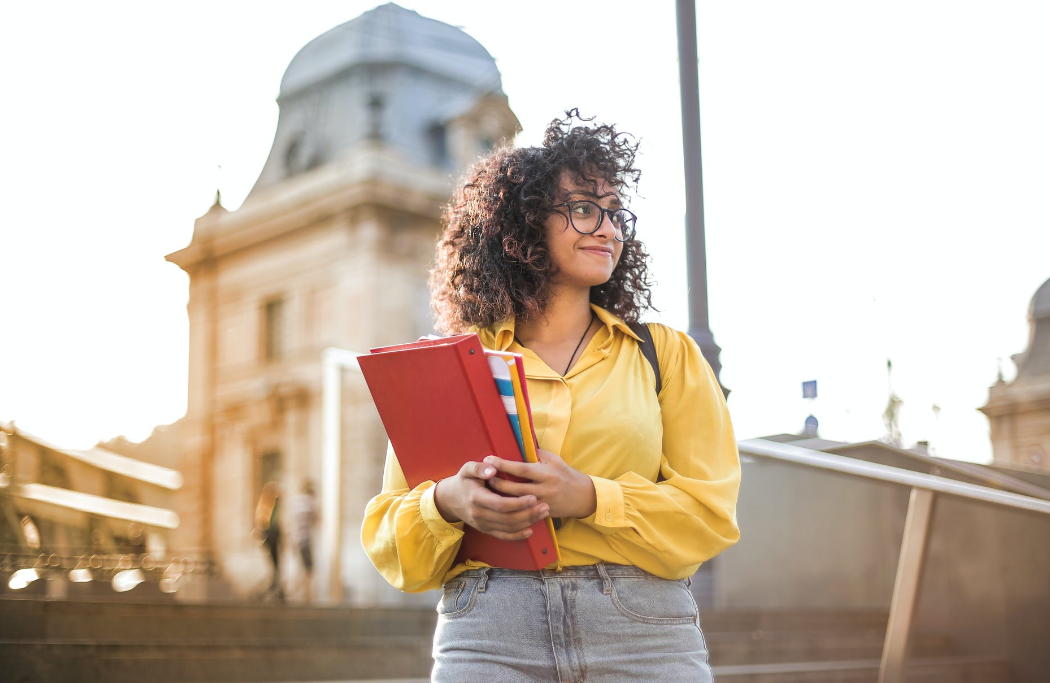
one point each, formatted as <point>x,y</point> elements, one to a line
<point>567,491</point>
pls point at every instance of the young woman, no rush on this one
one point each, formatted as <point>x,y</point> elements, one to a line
<point>539,257</point>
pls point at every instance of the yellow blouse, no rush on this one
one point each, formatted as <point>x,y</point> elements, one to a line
<point>665,469</point>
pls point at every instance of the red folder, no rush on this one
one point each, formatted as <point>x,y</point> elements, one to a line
<point>441,408</point>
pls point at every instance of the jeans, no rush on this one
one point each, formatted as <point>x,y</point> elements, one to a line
<point>599,623</point>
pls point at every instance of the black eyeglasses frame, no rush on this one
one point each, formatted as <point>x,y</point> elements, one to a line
<point>632,218</point>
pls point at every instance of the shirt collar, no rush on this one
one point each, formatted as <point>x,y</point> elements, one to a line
<point>501,335</point>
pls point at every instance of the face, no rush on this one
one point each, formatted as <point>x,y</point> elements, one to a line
<point>582,261</point>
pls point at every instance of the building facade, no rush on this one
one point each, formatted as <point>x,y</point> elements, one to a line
<point>1019,411</point>
<point>330,249</point>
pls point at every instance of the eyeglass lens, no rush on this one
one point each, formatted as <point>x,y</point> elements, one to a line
<point>586,217</point>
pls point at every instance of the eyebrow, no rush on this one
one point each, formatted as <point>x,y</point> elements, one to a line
<point>592,195</point>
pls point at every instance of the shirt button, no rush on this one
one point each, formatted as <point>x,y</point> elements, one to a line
<point>608,516</point>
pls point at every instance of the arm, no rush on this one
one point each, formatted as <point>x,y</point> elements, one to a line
<point>689,516</point>
<point>412,536</point>
<point>405,536</point>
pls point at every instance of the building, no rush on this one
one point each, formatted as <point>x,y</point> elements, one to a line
<point>330,249</point>
<point>1019,411</point>
<point>94,510</point>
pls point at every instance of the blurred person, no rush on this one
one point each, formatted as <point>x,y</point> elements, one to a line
<point>539,256</point>
<point>268,523</point>
<point>304,520</point>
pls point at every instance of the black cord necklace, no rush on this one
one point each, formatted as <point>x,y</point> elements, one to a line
<point>578,344</point>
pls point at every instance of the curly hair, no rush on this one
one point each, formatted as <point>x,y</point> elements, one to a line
<point>492,260</point>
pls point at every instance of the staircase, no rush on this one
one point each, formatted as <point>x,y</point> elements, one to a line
<point>843,646</point>
<point>94,642</point>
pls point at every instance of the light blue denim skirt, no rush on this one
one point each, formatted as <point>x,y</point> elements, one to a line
<point>599,623</point>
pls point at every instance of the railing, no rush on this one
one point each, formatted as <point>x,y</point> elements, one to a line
<point>924,488</point>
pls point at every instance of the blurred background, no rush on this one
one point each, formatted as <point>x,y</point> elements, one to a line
<point>199,200</point>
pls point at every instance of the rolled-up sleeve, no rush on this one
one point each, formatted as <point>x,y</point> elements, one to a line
<point>669,527</point>
<point>404,535</point>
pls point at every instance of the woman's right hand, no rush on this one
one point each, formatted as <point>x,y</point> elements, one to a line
<point>466,497</point>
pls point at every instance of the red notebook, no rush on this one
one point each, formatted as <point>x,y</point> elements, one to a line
<point>441,408</point>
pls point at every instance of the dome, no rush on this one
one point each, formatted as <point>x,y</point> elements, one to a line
<point>1040,307</point>
<point>389,78</point>
<point>390,34</point>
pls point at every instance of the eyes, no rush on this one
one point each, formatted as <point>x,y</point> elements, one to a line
<point>586,217</point>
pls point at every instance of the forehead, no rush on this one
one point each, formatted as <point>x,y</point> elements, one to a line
<point>587,187</point>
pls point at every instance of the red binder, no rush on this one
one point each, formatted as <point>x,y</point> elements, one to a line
<point>441,408</point>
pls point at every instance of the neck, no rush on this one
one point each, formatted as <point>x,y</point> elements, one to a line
<point>564,318</point>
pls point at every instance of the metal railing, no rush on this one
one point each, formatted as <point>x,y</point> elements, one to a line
<point>924,489</point>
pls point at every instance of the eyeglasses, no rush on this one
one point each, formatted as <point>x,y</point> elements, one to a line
<point>586,217</point>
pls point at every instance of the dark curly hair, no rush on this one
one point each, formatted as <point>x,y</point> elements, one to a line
<point>492,260</point>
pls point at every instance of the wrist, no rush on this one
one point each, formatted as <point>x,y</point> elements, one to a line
<point>441,503</point>
<point>587,496</point>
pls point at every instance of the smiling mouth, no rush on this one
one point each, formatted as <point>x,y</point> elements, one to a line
<point>598,251</point>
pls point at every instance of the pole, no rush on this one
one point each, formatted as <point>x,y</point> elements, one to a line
<point>696,251</point>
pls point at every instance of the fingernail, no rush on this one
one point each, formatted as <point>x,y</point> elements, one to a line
<point>490,471</point>
<point>528,532</point>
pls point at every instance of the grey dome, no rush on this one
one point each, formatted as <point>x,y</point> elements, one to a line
<point>1034,362</point>
<point>390,34</point>
<point>388,77</point>
<point>1040,307</point>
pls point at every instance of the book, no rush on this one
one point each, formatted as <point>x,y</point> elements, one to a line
<point>441,407</point>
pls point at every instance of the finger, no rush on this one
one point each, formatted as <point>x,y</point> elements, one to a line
<point>514,488</point>
<point>545,456</point>
<point>490,500</point>
<point>524,470</point>
<point>512,523</point>
<point>478,470</point>
<point>508,536</point>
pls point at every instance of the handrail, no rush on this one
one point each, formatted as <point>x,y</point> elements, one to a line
<point>895,475</point>
<point>924,487</point>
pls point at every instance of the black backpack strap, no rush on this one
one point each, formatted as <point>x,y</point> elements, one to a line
<point>648,349</point>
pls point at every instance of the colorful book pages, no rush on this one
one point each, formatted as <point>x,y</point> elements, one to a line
<point>522,421</point>
<point>501,372</point>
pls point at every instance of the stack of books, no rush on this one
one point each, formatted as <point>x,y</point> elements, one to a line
<point>447,401</point>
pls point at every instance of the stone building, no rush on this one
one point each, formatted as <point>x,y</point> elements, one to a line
<point>330,249</point>
<point>1019,411</point>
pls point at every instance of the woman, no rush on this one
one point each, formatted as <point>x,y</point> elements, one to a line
<point>538,257</point>
<point>268,525</point>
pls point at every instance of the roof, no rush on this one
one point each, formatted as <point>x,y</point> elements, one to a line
<point>97,505</point>
<point>392,34</point>
<point>112,462</point>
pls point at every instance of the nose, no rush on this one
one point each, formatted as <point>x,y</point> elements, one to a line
<point>606,229</point>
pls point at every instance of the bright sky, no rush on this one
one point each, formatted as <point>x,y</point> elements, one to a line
<point>875,182</point>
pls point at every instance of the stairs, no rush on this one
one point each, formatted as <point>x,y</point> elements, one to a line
<point>843,646</point>
<point>50,640</point>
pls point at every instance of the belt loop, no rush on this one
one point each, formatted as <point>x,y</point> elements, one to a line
<point>484,580</point>
<point>606,581</point>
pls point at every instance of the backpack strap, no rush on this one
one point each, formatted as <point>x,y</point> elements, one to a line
<point>648,349</point>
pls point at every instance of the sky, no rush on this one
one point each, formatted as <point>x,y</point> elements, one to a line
<point>875,183</point>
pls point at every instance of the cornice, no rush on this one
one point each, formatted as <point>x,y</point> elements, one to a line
<point>370,175</point>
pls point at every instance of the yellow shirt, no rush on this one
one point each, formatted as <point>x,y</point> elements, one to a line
<point>665,469</point>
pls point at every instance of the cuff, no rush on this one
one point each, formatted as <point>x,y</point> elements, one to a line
<point>610,511</point>
<point>436,524</point>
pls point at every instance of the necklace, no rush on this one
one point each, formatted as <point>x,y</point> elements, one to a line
<point>578,344</point>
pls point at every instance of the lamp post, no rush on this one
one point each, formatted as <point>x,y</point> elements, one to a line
<point>696,251</point>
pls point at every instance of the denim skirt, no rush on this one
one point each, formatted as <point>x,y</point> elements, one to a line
<point>599,623</point>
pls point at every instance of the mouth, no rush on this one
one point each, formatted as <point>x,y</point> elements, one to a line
<point>604,252</point>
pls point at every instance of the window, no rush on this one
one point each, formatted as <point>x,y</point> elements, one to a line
<point>269,469</point>
<point>273,329</point>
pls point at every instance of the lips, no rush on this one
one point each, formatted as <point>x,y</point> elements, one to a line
<point>598,251</point>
